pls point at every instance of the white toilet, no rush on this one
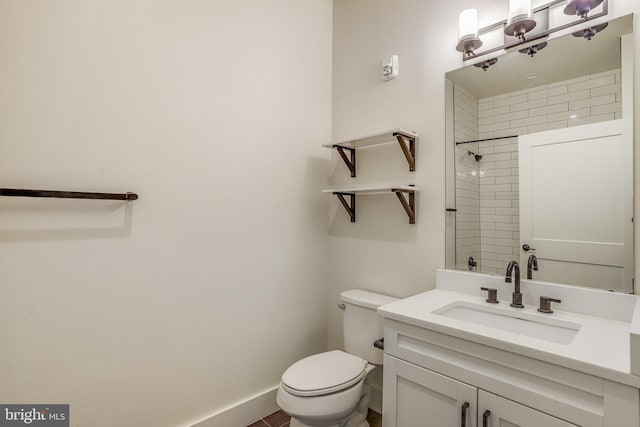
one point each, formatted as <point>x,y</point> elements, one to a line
<point>329,389</point>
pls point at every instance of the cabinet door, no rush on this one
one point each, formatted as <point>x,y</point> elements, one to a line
<point>506,413</point>
<point>416,397</point>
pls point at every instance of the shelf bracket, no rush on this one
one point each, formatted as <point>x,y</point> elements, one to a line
<point>351,208</point>
<point>408,205</point>
<point>349,161</point>
<point>408,148</point>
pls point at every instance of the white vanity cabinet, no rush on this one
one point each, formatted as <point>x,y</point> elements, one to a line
<point>496,411</point>
<point>426,398</point>
<point>431,378</point>
<point>415,396</point>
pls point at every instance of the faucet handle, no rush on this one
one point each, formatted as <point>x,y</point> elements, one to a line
<point>492,296</point>
<point>545,304</point>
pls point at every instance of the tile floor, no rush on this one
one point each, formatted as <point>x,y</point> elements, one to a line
<point>277,419</point>
<point>280,419</point>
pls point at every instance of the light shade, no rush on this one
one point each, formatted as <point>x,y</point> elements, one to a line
<point>520,18</point>
<point>580,7</point>
<point>468,24</point>
<point>519,9</point>
<point>468,39</point>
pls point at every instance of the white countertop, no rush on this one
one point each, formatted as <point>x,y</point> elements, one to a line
<point>601,347</point>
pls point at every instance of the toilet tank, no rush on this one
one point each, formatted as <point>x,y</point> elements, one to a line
<point>361,324</point>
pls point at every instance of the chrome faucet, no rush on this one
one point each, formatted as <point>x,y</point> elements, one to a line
<point>532,265</point>
<point>516,296</point>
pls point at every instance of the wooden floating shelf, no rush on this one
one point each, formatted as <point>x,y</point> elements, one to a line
<point>380,138</point>
<point>408,202</point>
<point>406,139</point>
<point>372,189</point>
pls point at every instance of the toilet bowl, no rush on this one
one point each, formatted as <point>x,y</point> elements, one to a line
<point>325,390</point>
<point>330,389</point>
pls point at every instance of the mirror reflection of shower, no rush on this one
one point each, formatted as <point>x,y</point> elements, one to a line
<point>468,171</point>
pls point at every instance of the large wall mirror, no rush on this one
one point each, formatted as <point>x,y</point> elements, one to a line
<point>540,164</point>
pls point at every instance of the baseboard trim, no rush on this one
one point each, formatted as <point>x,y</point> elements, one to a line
<point>375,401</point>
<point>243,413</point>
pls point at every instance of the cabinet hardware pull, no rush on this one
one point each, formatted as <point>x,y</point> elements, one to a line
<point>465,406</point>
<point>485,418</point>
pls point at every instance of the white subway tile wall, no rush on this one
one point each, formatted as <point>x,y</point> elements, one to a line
<point>490,188</point>
<point>467,178</point>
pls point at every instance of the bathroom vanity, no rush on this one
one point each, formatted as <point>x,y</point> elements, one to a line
<point>454,359</point>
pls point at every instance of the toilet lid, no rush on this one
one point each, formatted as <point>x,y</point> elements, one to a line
<point>323,373</point>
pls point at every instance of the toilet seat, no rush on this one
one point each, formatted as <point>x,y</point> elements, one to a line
<point>323,373</point>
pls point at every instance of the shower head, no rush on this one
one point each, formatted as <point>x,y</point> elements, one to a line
<point>478,157</point>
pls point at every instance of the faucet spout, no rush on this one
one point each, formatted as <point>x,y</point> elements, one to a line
<point>514,268</point>
<point>532,265</point>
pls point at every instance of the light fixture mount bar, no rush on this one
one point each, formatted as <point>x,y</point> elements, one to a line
<point>503,24</point>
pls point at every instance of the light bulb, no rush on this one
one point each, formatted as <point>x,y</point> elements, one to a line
<point>519,9</point>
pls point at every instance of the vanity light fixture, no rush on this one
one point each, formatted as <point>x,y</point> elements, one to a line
<point>468,40</point>
<point>525,23</point>
<point>520,19</point>
<point>581,7</point>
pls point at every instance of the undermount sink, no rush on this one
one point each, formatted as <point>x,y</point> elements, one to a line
<point>510,320</point>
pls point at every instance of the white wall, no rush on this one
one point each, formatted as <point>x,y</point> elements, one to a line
<point>391,256</point>
<point>203,291</point>
<point>382,252</point>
